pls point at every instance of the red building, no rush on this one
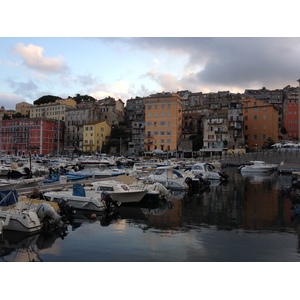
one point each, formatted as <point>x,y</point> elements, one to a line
<point>38,135</point>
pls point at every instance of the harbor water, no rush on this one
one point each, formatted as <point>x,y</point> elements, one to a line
<point>247,219</point>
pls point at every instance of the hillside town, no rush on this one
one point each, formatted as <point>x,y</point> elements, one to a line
<point>181,124</point>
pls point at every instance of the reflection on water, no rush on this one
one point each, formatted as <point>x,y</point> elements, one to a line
<point>245,219</point>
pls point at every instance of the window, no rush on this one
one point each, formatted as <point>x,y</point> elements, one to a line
<point>255,117</point>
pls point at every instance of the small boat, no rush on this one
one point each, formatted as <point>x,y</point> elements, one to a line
<point>257,166</point>
<point>25,216</point>
<point>168,177</point>
<point>10,184</point>
<point>208,171</point>
<point>78,197</point>
<point>119,191</point>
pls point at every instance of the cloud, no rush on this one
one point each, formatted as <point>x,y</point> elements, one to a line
<point>25,89</point>
<point>220,62</point>
<point>33,58</point>
<point>9,101</point>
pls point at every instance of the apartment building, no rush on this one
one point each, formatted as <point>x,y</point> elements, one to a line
<point>94,135</point>
<point>260,123</point>
<point>215,134</point>
<point>163,122</point>
<point>76,119</point>
<point>53,110</point>
<point>37,136</point>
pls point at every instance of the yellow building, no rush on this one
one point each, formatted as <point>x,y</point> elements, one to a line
<point>94,136</point>
<point>163,122</point>
<point>54,110</point>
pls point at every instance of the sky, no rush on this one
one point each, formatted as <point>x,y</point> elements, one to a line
<point>88,59</point>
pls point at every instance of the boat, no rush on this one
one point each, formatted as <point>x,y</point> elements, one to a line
<point>99,171</point>
<point>4,170</point>
<point>257,166</point>
<point>10,184</point>
<point>208,171</point>
<point>25,216</point>
<point>168,177</point>
<point>79,198</point>
<point>119,191</point>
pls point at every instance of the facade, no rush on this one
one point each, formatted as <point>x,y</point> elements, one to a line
<point>236,140</point>
<point>95,135</point>
<point>215,134</point>
<point>56,110</point>
<point>291,115</point>
<point>76,119</point>
<point>260,123</point>
<point>23,108</point>
<point>37,136</point>
<point>112,111</point>
<point>136,146</point>
<point>163,122</point>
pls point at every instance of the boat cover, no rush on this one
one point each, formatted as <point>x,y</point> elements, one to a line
<point>8,197</point>
<point>78,190</point>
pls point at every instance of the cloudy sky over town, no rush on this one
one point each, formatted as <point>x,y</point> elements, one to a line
<point>64,62</point>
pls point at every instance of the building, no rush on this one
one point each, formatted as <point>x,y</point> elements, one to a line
<point>215,134</point>
<point>76,119</point>
<point>112,111</point>
<point>24,108</point>
<point>163,122</point>
<point>291,115</point>
<point>236,138</point>
<point>53,110</point>
<point>260,123</point>
<point>95,135</point>
<point>37,136</point>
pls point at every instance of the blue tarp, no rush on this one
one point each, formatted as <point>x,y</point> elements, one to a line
<point>78,190</point>
<point>8,197</point>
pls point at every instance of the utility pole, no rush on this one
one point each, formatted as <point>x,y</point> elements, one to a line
<point>299,111</point>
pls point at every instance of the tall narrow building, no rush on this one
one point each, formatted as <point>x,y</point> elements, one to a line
<point>163,122</point>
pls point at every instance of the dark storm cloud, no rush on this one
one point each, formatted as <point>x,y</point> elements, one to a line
<point>244,62</point>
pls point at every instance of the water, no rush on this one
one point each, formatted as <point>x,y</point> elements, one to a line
<point>245,220</point>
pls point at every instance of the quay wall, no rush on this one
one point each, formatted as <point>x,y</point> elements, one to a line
<point>269,156</point>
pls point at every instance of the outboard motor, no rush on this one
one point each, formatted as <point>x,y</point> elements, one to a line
<point>65,210</point>
<point>108,200</point>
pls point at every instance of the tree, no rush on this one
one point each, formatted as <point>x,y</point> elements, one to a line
<point>6,117</point>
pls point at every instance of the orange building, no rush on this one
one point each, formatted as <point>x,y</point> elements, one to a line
<point>39,136</point>
<point>163,122</point>
<point>260,121</point>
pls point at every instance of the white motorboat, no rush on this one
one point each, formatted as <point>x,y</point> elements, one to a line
<point>257,166</point>
<point>208,171</point>
<point>119,191</point>
<point>25,216</point>
<point>168,177</point>
<point>78,197</point>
